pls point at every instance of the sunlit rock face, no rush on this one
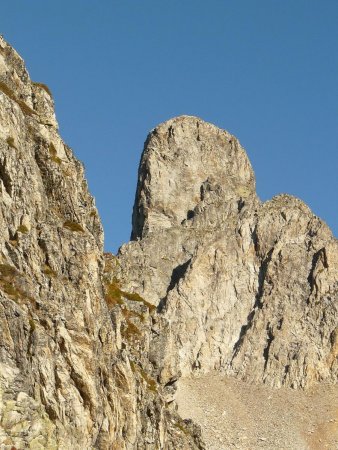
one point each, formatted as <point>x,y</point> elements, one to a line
<point>247,288</point>
<point>74,355</point>
<point>186,164</point>
<point>92,345</point>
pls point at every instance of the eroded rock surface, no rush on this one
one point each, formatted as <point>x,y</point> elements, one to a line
<point>92,346</point>
<point>247,288</point>
<point>74,366</point>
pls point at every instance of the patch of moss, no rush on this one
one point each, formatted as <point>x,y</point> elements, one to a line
<point>7,271</point>
<point>10,94</point>
<point>113,295</point>
<point>130,331</point>
<point>23,229</point>
<point>73,226</point>
<point>10,141</point>
<point>7,276</point>
<point>10,290</point>
<point>32,324</point>
<point>53,153</point>
<point>134,297</point>
<point>151,383</point>
<point>49,271</point>
<point>44,87</point>
<point>130,314</point>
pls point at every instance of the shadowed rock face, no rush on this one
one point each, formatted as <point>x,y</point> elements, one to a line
<point>74,354</point>
<point>248,288</point>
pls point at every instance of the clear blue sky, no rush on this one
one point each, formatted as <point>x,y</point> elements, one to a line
<point>265,70</point>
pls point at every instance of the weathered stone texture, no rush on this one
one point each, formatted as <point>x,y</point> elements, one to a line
<point>74,371</point>
<point>248,288</point>
<point>92,345</point>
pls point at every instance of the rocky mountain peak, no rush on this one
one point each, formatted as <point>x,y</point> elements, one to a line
<point>237,279</point>
<point>186,165</point>
<point>94,345</point>
<point>33,99</point>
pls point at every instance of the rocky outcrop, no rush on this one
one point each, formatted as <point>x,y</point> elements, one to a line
<point>92,345</point>
<point>247,288</point>
<point>74,367</point>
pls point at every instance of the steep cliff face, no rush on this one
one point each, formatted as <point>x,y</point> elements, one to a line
<point>92,345</point>
<point>248,288</point>
<point>74,368</point>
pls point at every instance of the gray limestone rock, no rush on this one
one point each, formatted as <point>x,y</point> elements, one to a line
<point>93,345</point>
<point>247,288</point>
<point>74,354</point>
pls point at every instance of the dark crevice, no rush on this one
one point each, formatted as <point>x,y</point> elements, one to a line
<point>261,279</point>
<point>255,240</point>
<point>321,254</point>
<point>81,387</point>
<point>6,179</point>
<point>177,273</point>
<point>198,131</point>
<point>258,302</point>
<point>286,371</point>
<point>190,214</point>
<point>240,204</point>
<point>172,382</point>
<point>268,345</point>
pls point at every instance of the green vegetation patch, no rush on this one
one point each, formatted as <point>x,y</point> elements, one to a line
<point>44,87</point>
<point>23,229</point>
<point>151,383</point>
<point>7,271</point>
<point>115,296</point>
<point>10,141</point>
<point>130,331</point>
<point>73,226</point>
<point>49,272</point>
<point>134,297</point>
<point>53,154</point>
<point>8,277</point>
<point>10,94</point>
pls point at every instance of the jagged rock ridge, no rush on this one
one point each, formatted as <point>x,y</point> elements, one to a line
<point>74,366</point>
<point>249,288</point>
<point>92,346</point>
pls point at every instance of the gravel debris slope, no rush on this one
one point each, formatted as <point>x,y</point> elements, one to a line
<point>234,414</point>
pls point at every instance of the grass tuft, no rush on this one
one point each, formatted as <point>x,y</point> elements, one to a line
<point>10,141</point>
<point>113,295</point>
<point>10,94</point>
<point>23,229</point>
<point>151,383</point>
<point>73,226</point>
<point>8,276</point>
<point>44,87</point>
<point>49,272</point>
<point>53,153</point>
